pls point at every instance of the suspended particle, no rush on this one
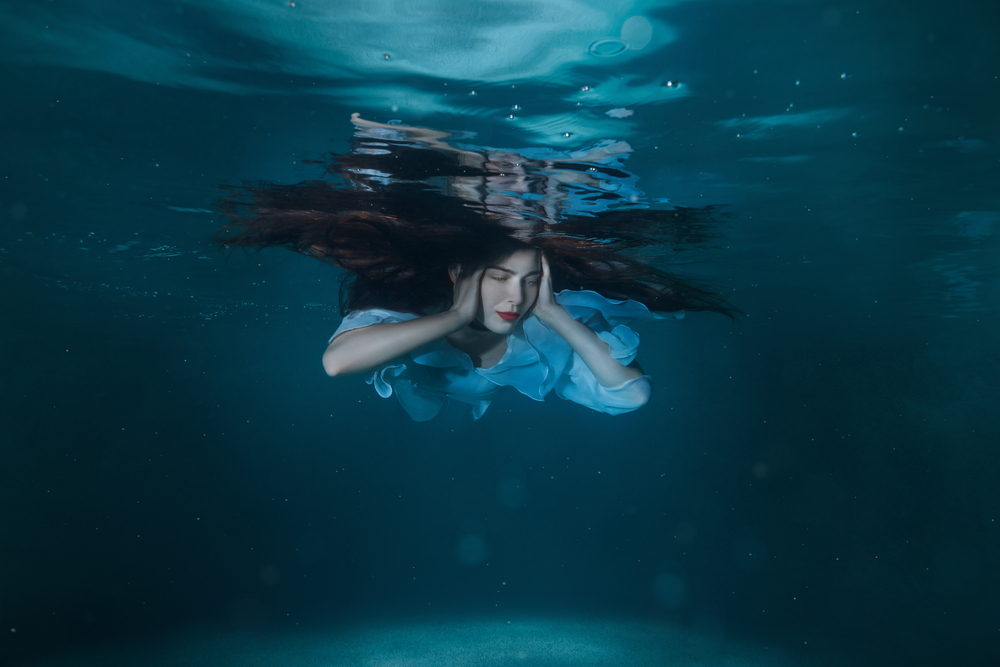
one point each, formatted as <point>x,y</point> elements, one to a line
<point>797,82</point>
<point>386,56</point>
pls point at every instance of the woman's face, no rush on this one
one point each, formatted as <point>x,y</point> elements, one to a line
<point>509,290</point>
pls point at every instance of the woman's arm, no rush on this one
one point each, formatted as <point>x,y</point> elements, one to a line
<point>369,347</point>
<point>592,350</point>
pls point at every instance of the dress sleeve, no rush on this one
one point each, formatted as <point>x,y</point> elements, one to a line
<point>394,376</point>
<point>365,318</point>
<point>578,384</point>
<point>609,319</point>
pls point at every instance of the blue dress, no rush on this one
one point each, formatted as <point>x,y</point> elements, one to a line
<point>537,361</point>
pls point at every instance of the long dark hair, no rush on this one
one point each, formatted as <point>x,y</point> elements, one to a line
<point>379,216</point>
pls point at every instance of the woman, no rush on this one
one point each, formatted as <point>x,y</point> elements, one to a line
<point>453,297</point>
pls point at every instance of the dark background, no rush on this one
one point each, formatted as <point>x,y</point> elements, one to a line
<point>821,471</point>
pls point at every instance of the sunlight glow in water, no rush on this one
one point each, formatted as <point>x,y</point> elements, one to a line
<point>451,642</point>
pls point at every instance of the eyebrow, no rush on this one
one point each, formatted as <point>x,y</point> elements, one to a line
<point>513,273</point>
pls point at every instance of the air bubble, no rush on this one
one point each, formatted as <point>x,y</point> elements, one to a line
<point>510,117</point>
<point>386,56</point>
<point>567,135</point>
<point>472,93</point>
<point>585,88</point>
<point>516,107</point>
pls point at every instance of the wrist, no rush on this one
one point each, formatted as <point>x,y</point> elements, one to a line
<point>552,316</point>
<point>458,319</point>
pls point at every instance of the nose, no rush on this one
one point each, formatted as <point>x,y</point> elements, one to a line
<point>516,294</point>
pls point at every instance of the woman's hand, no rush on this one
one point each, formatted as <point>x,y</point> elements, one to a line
<point>546,307</point>
<point>465,295</point>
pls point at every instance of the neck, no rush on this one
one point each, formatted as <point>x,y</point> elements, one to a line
<point>475,335</point>
<point>483,346</point>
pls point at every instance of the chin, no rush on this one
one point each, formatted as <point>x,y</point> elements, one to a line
<point>499,326</point>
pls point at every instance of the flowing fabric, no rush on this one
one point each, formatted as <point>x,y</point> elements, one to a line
<point>537,361</point>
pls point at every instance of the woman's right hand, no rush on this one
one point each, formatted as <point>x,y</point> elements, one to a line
<point>465,295</point>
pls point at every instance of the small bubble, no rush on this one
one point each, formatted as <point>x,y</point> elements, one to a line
<point>670,84</point>
<point>585,88</point>
<point>567,135</point>
<point>797,82</point>
<point>901,128</point>
<point>854,134</point>
<point>510,117</point>
<point>473,93</point>
<point>386,56</point>
<point>844,75</point>
<point>516,107</point>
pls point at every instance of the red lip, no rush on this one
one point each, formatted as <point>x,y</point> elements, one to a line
<point>510,317</point>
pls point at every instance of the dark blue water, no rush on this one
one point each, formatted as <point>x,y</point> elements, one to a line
<point>812,484</point>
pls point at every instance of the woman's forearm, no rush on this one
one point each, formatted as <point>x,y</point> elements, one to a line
<point>369,347</point>
<point>594,351</point>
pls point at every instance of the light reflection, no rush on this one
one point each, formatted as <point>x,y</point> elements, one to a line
<point>256,46</point>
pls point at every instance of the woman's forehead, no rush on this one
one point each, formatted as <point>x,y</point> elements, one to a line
<point>520,261</point>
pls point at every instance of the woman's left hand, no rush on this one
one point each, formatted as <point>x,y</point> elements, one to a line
<point>546,307</point>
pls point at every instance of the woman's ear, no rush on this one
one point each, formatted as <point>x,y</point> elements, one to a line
<point>454,271</point>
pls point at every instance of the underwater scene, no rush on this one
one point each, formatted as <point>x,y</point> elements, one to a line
<point>526,332</point>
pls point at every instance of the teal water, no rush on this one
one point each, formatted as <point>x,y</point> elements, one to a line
<point>812,484</point>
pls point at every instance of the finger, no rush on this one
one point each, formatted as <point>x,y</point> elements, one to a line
<point>546,271</point>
